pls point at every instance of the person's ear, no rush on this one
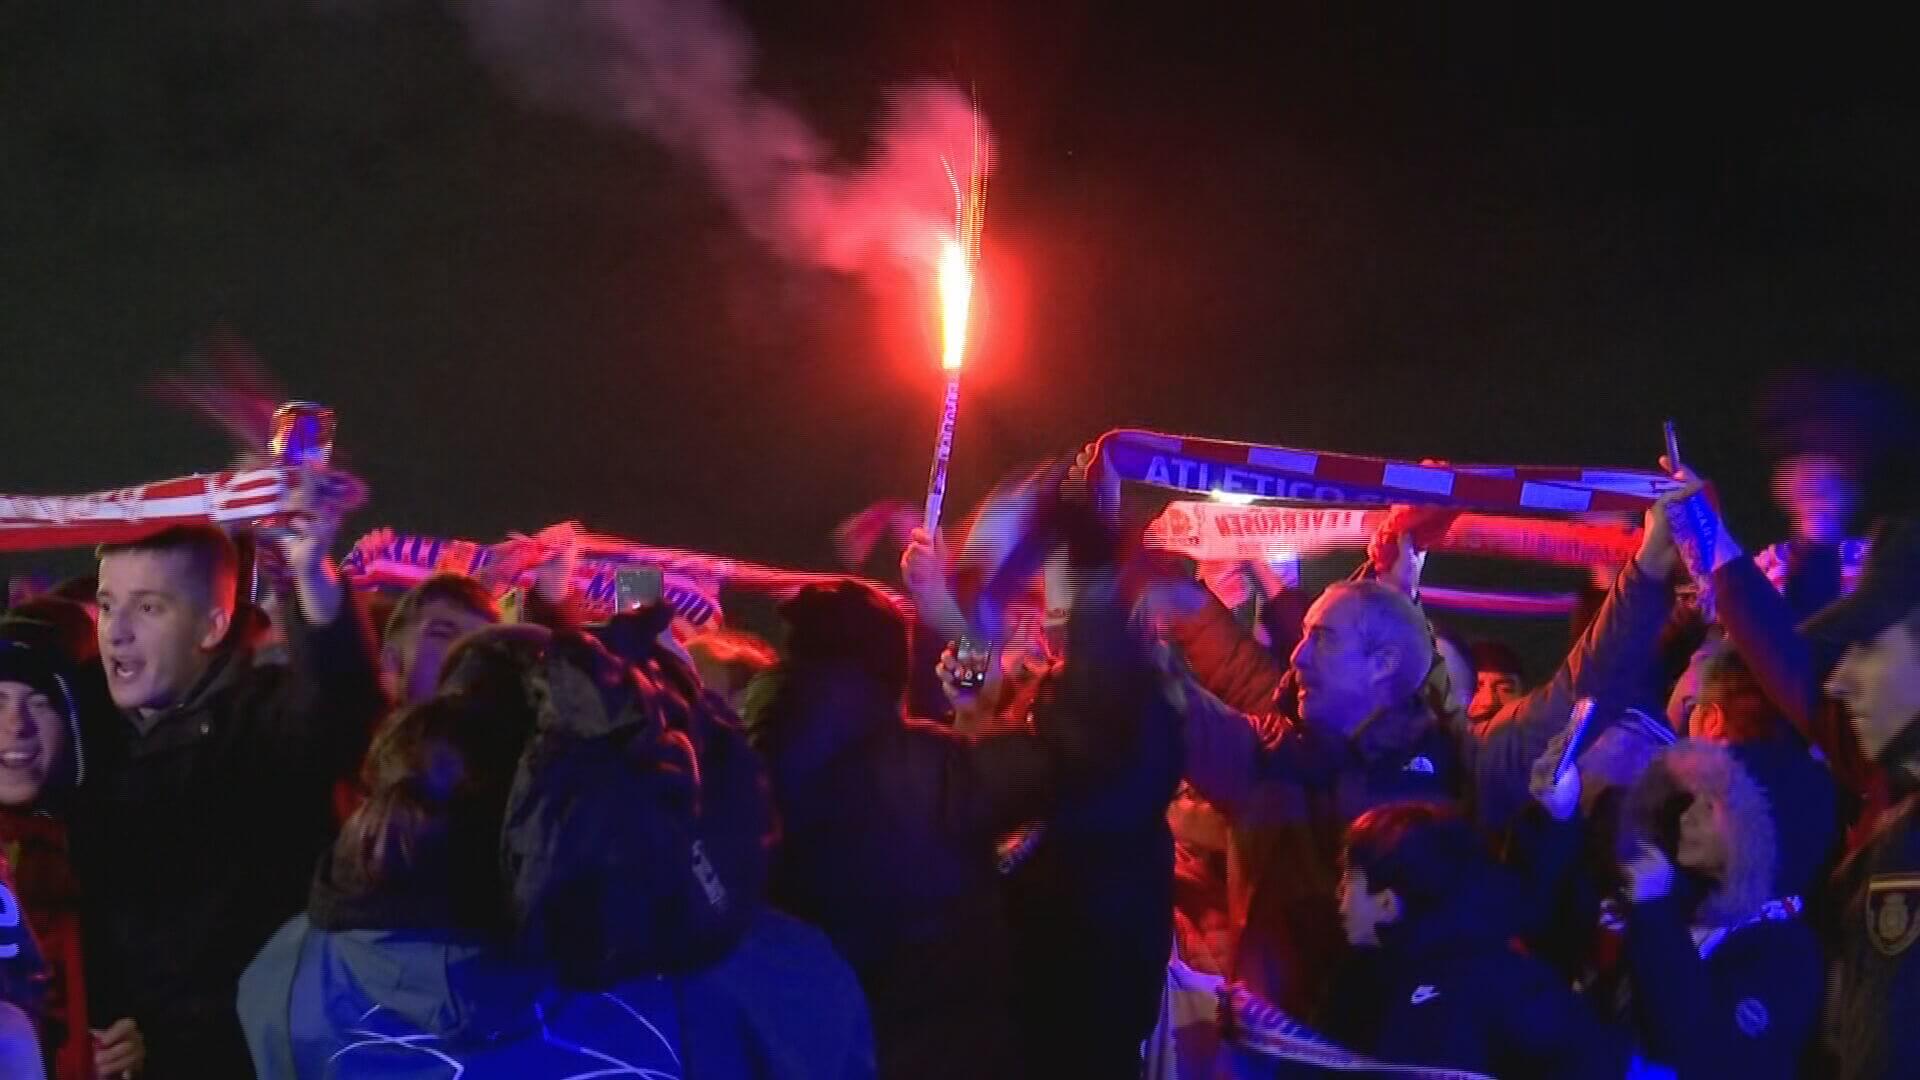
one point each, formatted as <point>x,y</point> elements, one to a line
<point>1384,664</point>
<point>1707,721</point>
<point>1388,903</point>
<point>214,627</point>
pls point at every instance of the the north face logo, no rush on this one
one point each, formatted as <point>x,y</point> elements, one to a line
<point>1893,912</point>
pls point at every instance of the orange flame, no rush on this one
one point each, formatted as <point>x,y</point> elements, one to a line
<point>959,255</point>
<point>956,297</point>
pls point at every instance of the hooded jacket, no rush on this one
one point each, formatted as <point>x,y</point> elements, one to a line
<point>1290,797</point>
<point>421,1004</point>
<point>1726,976</point>
<point>196,838</point>
<point>1445,989</point>
<point>422,965</point>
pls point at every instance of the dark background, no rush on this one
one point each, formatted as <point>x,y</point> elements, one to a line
<point>1478,232</point>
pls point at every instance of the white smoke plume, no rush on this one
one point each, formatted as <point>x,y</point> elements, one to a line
<point>681,71</point>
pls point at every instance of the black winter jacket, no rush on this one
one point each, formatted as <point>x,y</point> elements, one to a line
<point>889,833</point>
<point>1092,907</point>
<point>195,840</point>
<point>1446,989</point>
<point>887,842</point>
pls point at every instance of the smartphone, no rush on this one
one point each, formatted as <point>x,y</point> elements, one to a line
<point>973,660</point>
<point>638,586</point>
<point>1673,448</point>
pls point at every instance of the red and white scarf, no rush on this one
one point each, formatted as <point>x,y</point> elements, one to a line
<point>1207,466</point>
<point>1220,532</point>
<point>40,522</point>
<point>691,581</point>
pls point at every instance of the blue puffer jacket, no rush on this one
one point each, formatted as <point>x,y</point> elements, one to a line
<point>429,1005</point>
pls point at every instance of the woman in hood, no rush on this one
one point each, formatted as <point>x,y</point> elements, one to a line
<point>1725,976</point>
<point>405,963</point>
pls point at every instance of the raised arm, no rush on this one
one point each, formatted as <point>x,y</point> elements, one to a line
<point>319,715</point>
<point>1224,658</point>
<point>1609,662</point>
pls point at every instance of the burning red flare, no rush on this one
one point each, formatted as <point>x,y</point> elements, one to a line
<point>954,276</point>
<point>956,296</point>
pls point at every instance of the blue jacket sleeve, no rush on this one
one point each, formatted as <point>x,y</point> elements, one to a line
<point>265,993</point>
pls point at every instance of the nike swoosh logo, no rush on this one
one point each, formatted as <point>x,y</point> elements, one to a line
<point>1423,995</point>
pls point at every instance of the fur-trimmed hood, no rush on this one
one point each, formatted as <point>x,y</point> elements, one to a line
<point>1695,768</point>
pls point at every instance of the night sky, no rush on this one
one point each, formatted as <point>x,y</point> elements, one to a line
<point>1507,235</point>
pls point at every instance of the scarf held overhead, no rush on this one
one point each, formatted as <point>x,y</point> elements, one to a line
<point>691,581</point>
<point>1207,466</point>
<point>40,522</point>
<point>1210,531</point>
<point>385,559</point>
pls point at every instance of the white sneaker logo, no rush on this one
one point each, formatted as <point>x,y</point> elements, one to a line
<point>1423,994</point>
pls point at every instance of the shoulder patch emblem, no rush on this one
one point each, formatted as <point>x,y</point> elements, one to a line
<point>1893,912</point>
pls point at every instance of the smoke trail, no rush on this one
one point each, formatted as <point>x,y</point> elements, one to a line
<point>681,71</point>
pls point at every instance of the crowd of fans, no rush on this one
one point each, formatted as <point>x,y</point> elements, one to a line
<point>346,835</point>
